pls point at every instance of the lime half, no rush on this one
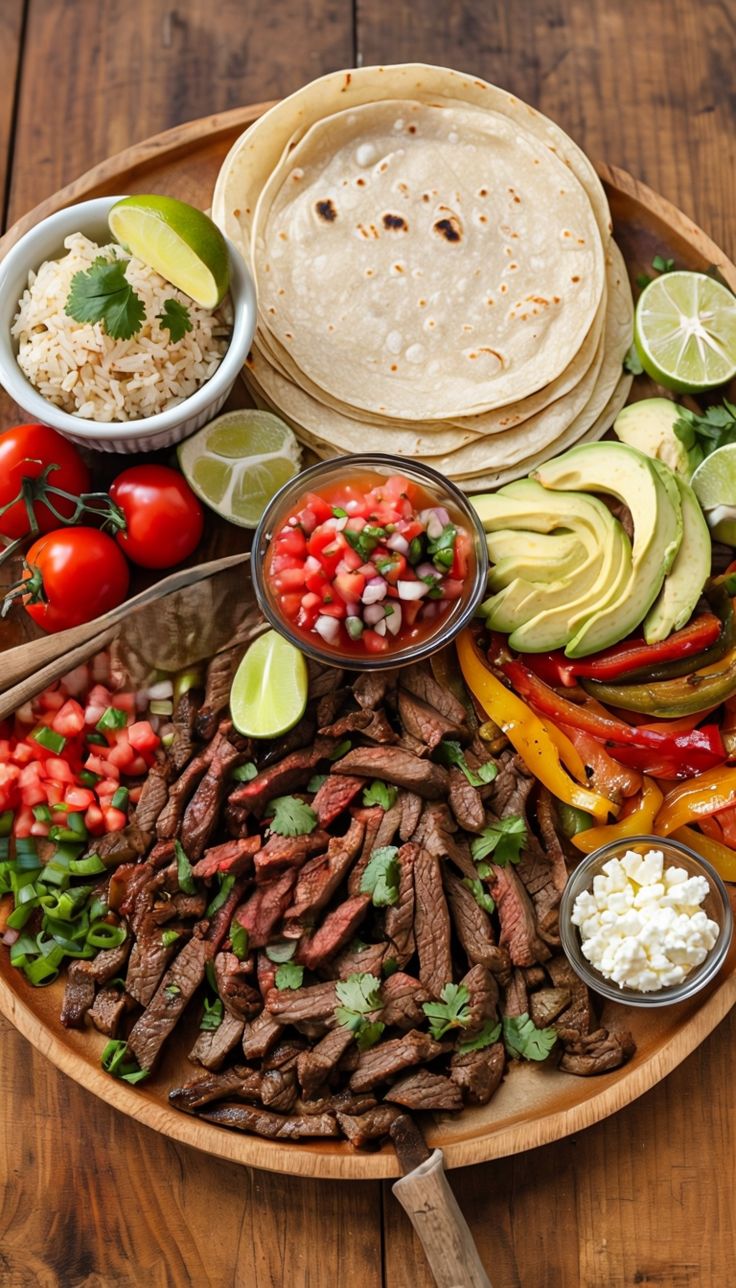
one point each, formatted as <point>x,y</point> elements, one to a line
<point>239,461</point>
<point>269,692</point>
<point>685,332</point>
<point>176,239</point>
<point>714,484</point>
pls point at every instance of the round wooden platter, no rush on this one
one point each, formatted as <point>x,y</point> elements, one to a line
<point>534,1105</point>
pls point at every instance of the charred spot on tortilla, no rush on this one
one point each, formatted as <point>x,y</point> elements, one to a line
<point>360,181</point>
<point>411,129</point>
<point>575,279</point>
<point>450,229</point>
<point>395,222</point>
<point>326,210</point>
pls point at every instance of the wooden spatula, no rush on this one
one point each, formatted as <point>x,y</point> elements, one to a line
<point>425,1195</point>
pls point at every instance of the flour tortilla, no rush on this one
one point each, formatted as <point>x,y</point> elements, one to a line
<point>426,261</point>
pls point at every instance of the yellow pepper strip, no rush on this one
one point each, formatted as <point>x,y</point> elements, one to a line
<point>569,754</point>
<point>525,732</point>
<point>704,794</point>
<point>721,856</point>
<point>640,822</point>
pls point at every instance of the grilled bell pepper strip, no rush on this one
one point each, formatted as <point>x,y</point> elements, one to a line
<point>569,753</point>
<point>525,732</point>
<point>700,691</point>
<point>705,794</point>
<point>609,777</point>
<point>640,822</point>
<point>704,749</point>
<point>722,858</point>
<point>631,655</point>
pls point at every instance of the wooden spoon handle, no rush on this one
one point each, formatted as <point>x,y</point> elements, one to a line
<point>432,1208</point>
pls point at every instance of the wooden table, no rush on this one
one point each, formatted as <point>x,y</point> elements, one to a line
<point>88,1197</point>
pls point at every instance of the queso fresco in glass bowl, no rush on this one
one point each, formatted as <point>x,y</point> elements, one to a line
<point>369,561</point>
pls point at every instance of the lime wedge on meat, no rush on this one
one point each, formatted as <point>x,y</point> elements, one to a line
<point>685,332</point>
<point>269,692</point>
<point>714,484</point>
<point>238,462</point>
<point>178,241</point>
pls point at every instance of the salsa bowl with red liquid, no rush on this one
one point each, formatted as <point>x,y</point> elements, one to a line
<point>369,562</point>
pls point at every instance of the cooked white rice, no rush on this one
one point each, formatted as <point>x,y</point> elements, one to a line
<point>79,368</point>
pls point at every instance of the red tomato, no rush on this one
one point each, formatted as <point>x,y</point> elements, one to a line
<point>25,451</point>
<point>83,573</point>
<point>163,516</point>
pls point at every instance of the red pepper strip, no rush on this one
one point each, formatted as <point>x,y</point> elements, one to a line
<point>631,655</point>
<point>609,777</point>
<point>692,753</point>
<point>562,709</point>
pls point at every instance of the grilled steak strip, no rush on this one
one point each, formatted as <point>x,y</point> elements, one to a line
<point>431,924</point>
<point>597,1052</point>
<point>235,857</point>
<point>425,1090</point>
<point>107,1011</point>
<point>474,929</point>
<point>371,687</point>
<point>515,997</point>
<point>388,1058</point>
<point>213,1046</point>
<point>478,1074</point>
<point>287,775</point>
<point>411,812</point>
<point>315,1066</point>
<point>516,913</point>
<point>381,827</point>
<point>337,929</point>
<point>334,796</point>
<point>483,1003</point>
<point>425,723</point>
<point>394,765</point>
<point>185,975</point>
<point>356,960</point>
<point>402,997</point>
<point>320,877</point>
<point>237,1081</point>
<point>81,978</point>
<point>201,815</point>
<point>295,1005</point>
<point>578,1016</point>
<point>465,802</point>
<point>169,820</point>
<point>237,993</point>
<point>183,720</point>
<point>281,852</point>
<point>420,681</point>
<point>260,1035</point>
<point>371,724</point>
<point>369,1126</point>
<point>154,793</point>
<point>398,921</point>
<point>265,907</point>
<point>435,832</point>
<point>546,1005</point>
<point>274,1126</point>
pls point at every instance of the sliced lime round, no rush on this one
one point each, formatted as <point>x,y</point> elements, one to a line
<point>178,241</point>
<point>239,461</point>
<point>685,332</point>
<point>714,484</point>
<point>269,692</point>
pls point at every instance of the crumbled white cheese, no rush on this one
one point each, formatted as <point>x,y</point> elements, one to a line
<point>642,925</point>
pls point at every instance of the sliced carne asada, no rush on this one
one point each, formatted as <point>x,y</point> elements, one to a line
<point>238,1081</point>
<point>282,852</point>
<point>329,705</point>
<point>357,959</point>
<point>320,877</point>
<point>168,1003</point>
<point>274,1126</point>
<point>419,681</point>
<point>435,833</point>
<point>578,1017</point>
<point>515,999</point>
<point>125,846</point>
<point>213,1046</point>
<point>300,736</point>
<point>295,1005</point>
<point>221,673</point>
<point>265,907</point>
<point>535,976</point>
<point>426,723</point>
<point>431,924</point>
<point>279,1089</point>
<point>287,775</point>
<point>180,792</point>
<point>338,1102</point>
<point>82,976</point>
<point>107,1011</point>
<point>323,679</point>
<point>337,929</point>
<point>483,1000</point>
<point>219,923</point>
<point>265,973</point>
<point>334,796</point>
<point>149,959</point>
<point>403,997</point>
<point>238,995</point>
<point>235,857</point>
<point>184,719</point>
<point>370,688</point>
<point>519,931</point>
<point>394,765</point>
<point>478,1074</point>
<point>315,1066</point>
<point>425,1090</point>
<point>154,793</point>
<point>411,812</point>
<point>597,1052</point>
<point>371,724</point>
<point>260,1035</point>
<point>381,827</point>
<point>369,1126</point>
<point>388,1058</point>
<point>511,787</point>
<point>201,815</point>
<point>465,802</point>
<point>398,922</point>
<point>546,1004</point>
<point>473,926</point>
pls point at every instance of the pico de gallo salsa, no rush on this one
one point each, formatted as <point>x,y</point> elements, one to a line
<point>369,564</point>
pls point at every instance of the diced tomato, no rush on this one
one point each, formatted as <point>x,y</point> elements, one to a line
<point>291,541</point>
<point>23,822</point>
<point>22,753</point>
<point>459,570</point>
<point>134,795</point>
<point>32,790</point>
<point>122,754</point>
<point>56,767</point>
<point>350,585</point>
<point>409,528</point>
<point>289,579</point>
<point>281,562</point>
<point>94,820</point>
<point>397,570</point>
<point>320,508</point>
<point>451,589</point>
<point>40,829</point>
<point>326,545</point>
<point>291,604</point>
<point>69,719</point>
<point>54,792</point>
<point>79,798</point>
<point>124,702</point>
<point>51,700</point>
<point>410,611</point>
<point>138,766</point>
<point>9,775</point>
<point>375,643</point>
<point>114,819</point>
<point>350,562</point>
<point>333,608</point>
<point>142,736</point>
<point>97,764</point>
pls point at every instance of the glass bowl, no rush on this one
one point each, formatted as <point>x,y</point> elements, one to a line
<point>717,905</point>
<point>325,473</point>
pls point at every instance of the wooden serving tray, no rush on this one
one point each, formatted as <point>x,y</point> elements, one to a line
<point>533,1106</point>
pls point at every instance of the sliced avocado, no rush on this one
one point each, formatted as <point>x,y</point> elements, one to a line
<point>632,477</point>
<point>531,555</point>
<point>685,580</point>
<point>649,426</point>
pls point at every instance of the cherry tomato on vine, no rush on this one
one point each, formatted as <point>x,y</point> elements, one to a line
<point>75,575</point>
<point>25,451</point>
<point>163,516</point>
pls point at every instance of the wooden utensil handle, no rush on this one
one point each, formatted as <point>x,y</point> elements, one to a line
<point>432,1208</point>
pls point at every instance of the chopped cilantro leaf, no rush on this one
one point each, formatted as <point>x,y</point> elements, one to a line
<point>339,512</point>
<point>643,279</point>
<point>489,1034</point>
<point>383,794</point>
<point>368,1033</point>
<point>239,940</point>
<point>701,434</point>
<point>449,752</point>
<point>381,877</point>
<point>226,884</point>
<point>504,840</point>
<point>524,1041</point>
<point>632,362</point>
<point>244,773</point>
<point>316,782</point>
<point>212,1014</point>
<point>442,549</point>
<point>103,294</point>
<point>358,996</point>
<point>291,817</point>
<point>175,318</point>
<point>661,265</point>
<point>184,870</point>
<point>289,975</point>
<point>341,749</point>
<point>169,937</point>
<point>452,1012</point>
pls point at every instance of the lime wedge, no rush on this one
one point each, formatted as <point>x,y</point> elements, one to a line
<point>269,692</point>
<point>685,332</point>
<point>238,462</point>
<point>176,239</point>
<point>714,484</point>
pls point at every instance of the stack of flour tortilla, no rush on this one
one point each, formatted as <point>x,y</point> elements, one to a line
<point>435,271</point>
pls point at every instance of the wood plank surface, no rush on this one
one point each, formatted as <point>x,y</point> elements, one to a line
<point>88,1197</point>
<point>11,30</point>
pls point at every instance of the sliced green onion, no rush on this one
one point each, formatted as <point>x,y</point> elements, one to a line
<point>212,1015</point>
<point>112,718</point>
<point>42,813</point>
<point>28,862</point>
<point>75,823</point>
<point>239,940</point>
<point>65,853</point>
<point>27,894</point>
<point>161,707</point>
<point>354,627</point>
<point>226,885</point>
<point>89,867</point>
<point>49,738</point>
<point>25,845</point>
<point>59,833</point>
<point>116,1060</point>
<point>96,739</point>
<point>6,822</point>
<point>18,917</point>
<point>4,847</point>
<point>184,870</point>
<point>40,972</point>
<point>104,935</point>
<point>97,908</point>
<point>88,778</point>
<point>120,798</point>
<point>169,937</point>
<point>185,681</point>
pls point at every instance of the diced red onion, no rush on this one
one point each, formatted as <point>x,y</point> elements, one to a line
<point>26,716</point>
<point>93,712</point>
<point>10,937</point>
<point>352,506</point>
<point>434,519</point>
<point>398,543</point>
<point>375,591</point>
<point>380,627</point>
<point>409,590</point>
<point>426,570</point>
<point>328,628</point>
<point>311,565</point>
<point>373,613</point>
<point>160,691</point>
<point>76,681</point>
<point>393,621</point>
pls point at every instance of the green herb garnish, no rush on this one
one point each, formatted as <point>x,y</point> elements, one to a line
<point>702,433</point>
<point>116,1061</point>
<point>378,793</point>
<point>175,318</point>
<point>480,894</point>
<point>632,362</point>
<point>169,937</point>
<point>212,1015</point>
<point>504,840</point>
<point>289,975</point>
<point>524,1041</point>
<point>316,782</point>
<point>448,752</point>
<point>360,995</point>
<point>103,294</point>
<point>226,884</point>
<point>184,873</point>
<point>291,817</point>
<point>239,940</point>
<point>244,773</point>
<point>489,1034</point>
<point>381,877</point>
<point>452,1012</point>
